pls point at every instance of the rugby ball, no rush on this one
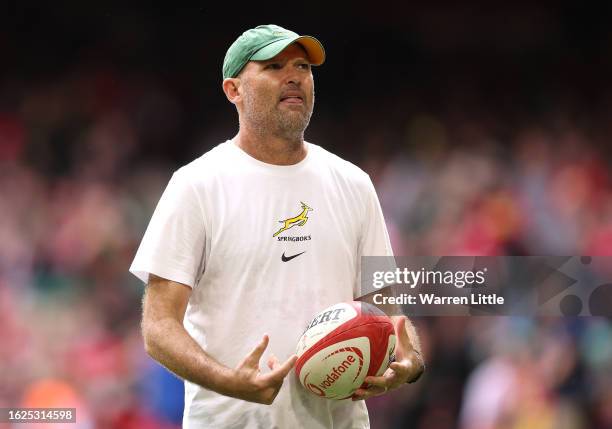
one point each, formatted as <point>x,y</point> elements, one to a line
<point>341,346</point>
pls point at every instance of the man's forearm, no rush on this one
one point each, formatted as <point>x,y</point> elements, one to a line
<point>170,344</point>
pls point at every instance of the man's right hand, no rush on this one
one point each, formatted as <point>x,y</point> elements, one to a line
<point>167,341</point>
<point>250,385</point>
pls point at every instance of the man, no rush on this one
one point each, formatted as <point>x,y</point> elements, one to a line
<point>252,239</point>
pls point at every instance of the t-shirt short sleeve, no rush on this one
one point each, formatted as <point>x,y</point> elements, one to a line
<point>173,244</point>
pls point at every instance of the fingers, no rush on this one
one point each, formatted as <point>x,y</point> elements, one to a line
<point>401,367</point>
<point>402,335</point>
<point>381,381</point>
<point>393,377</point>
<point>362,394</point>
<point>272,361</point>
<point>257,387</point>
<point>252,359</point>
<point>279,372</point>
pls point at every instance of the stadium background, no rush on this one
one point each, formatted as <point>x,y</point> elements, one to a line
<point>486,129</point>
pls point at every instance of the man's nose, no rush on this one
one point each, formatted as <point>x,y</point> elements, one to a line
<point>293,78</point>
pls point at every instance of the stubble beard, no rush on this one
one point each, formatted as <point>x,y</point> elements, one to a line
<point>272,120</point>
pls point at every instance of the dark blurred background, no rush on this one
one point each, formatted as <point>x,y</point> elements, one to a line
<point>485,127</point>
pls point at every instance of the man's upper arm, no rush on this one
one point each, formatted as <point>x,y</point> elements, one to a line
<point>174,242</point>
<point>164,299</point>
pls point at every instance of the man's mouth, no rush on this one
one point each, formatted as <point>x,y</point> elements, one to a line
<point>290,98</point>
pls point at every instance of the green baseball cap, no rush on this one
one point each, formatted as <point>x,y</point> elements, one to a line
<point>264,42</point>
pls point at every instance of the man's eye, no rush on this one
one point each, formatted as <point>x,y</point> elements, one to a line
<point>304,66</point>
<point>273,66</point>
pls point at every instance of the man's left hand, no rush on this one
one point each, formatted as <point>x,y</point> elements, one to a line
<point>407,366</point>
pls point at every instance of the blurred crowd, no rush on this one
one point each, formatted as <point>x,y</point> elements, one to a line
<point>85,156</point>
<point>74,207</point>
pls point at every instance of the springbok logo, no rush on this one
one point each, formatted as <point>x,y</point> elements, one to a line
<point>298,220</point>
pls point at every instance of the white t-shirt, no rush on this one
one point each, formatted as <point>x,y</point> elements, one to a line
<point>224,227</point>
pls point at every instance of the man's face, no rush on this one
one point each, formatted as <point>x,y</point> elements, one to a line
<point>278,94</point>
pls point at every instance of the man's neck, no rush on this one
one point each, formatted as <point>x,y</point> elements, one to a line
<point>271,149</point>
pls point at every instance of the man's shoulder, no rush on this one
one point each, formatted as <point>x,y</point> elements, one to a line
<point>339,166</point>
<point>207,163</point>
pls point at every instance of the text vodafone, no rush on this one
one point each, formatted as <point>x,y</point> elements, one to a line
<point>336,372</point>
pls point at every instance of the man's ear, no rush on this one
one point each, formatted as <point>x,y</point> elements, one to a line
<point>231,89</point>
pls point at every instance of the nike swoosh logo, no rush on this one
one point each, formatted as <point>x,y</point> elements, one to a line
<point>288,258</point>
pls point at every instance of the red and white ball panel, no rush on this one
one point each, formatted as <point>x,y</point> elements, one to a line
<point>337,369</point>
<point>341,346</point>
